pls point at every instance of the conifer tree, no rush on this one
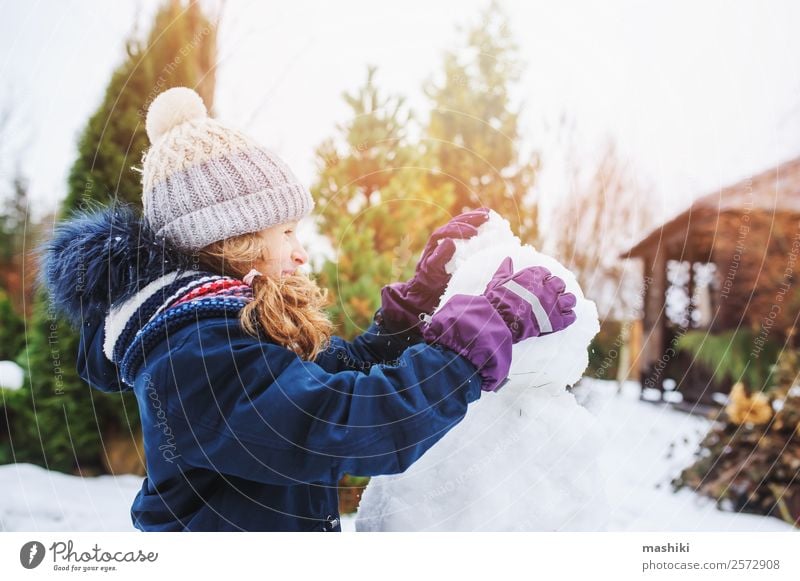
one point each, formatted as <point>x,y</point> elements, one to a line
<point>180,50</point>
<point>15,235</point>
<point>59,421</point>
<point>12,329</point>
<point>473,133</point>
<point>375,203</point>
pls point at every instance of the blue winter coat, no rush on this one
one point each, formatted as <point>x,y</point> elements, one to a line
<point>239,432</point>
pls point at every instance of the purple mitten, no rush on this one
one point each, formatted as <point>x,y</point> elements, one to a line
<point>471,327</point>
<point>402,303</point>
<point>514,307</point>
<point>531,301</point>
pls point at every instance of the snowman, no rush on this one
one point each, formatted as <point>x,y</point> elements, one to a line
<point>524,458</point>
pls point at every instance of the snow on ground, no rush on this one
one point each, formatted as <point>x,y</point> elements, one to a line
<point>35,499</point>
<point>638,473</point>
<point>647,445</point>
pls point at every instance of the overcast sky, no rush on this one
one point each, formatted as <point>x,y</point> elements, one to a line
<point>695,94</point>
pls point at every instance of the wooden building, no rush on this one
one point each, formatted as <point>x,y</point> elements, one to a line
<point>729,262</point>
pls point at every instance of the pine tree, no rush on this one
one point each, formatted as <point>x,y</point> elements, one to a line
<point>473,133</point>
<point>59,421</point>
<point>15,233</point>
<point>12,329</point>
<point>377,206</point>
<point>375,203</point>
<point>13,217</point>
<point>180,50</point>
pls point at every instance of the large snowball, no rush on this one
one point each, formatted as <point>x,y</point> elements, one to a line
<point>524,458</point>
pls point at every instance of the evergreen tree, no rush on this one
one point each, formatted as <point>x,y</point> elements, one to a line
<point>59,421</point>
<point>12,329</point>
<point>473,133</point>
<point>180,50</point>
<point>375,203</point>
<point>377,206</point>
<point>13,218</point>
<point>14,235</point>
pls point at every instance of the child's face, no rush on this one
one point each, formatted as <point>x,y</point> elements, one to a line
<point>282,252</point>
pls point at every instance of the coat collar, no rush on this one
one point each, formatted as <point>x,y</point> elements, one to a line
<point>109,269</point>
<point>97,260</point>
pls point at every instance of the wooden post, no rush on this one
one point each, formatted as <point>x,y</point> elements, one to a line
<point>654,305</point>
<point>691,290</point>
<point>633,372</point>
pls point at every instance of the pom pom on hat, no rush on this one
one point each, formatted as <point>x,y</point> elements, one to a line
<point>171,108</point>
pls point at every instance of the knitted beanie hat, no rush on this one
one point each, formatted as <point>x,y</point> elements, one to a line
<point>204,182</point>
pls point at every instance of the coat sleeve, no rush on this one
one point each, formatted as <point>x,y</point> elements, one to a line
<point>377,344</point>
<point>255,410</point>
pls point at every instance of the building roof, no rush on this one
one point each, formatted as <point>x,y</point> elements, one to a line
<point>774,190</point>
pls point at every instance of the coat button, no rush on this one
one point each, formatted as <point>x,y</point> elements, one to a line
<point>331,522</point>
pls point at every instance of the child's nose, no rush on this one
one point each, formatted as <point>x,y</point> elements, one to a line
<point>299,256</point>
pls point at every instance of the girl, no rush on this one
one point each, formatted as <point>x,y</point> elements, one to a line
<point>251,409</point>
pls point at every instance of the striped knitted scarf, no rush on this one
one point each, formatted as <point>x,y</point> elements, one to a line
<point>164,305</point>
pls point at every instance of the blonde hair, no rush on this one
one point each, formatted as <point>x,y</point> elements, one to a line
<point>290,309</point>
